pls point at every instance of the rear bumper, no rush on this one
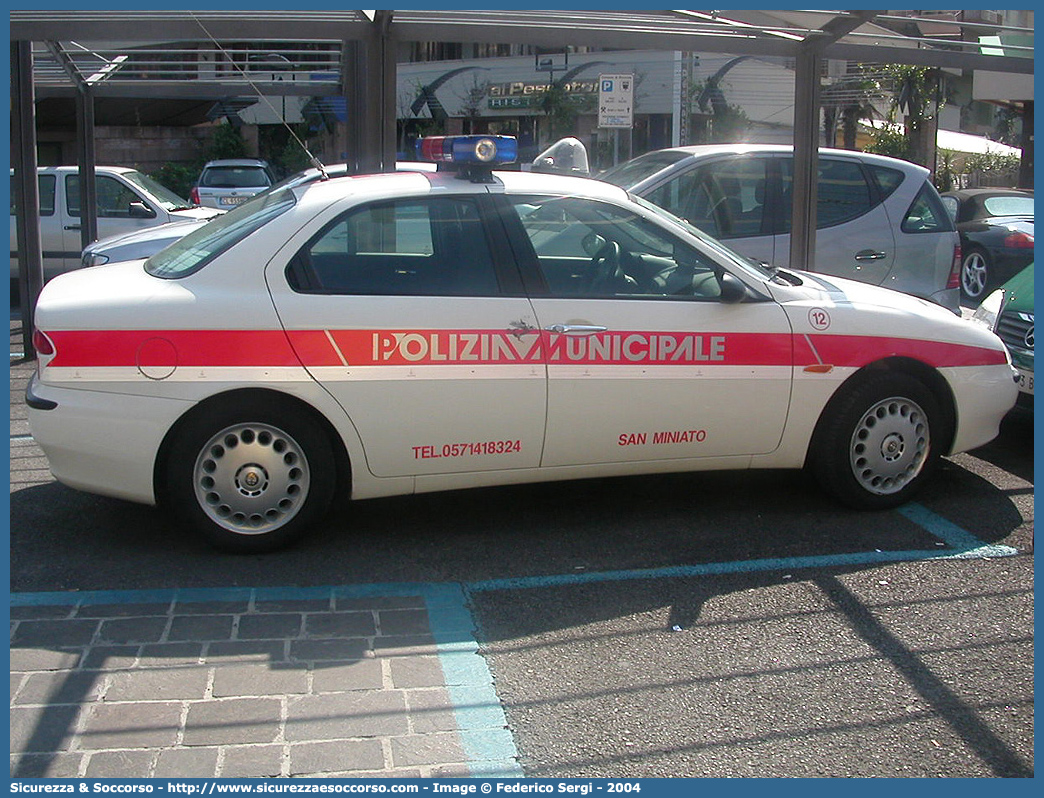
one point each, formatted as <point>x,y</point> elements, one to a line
<point>101,442</point>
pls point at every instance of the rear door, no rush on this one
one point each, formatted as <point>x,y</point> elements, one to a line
<point>854,235</point>
<point>52,233</point>
<point>410,313</point>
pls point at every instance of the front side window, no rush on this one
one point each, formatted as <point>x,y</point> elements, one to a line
<point>414,247</point>
<point>114,197</point>
<point>725,199</point>
<point>587,248</point>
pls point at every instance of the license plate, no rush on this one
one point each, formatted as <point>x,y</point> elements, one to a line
<point>1026,381</point>
<point>233,200</point>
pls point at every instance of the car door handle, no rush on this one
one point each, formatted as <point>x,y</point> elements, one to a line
<point>72,227</point>
<point>575,329</point>
<point>870,254</point>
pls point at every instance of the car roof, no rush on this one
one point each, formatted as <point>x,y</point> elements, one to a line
<point>117,169</point>
<point>409,183</point>
<point>704,150</point>
<point>236,162</point>
<point>787,149</point>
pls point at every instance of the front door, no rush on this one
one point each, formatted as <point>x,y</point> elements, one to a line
<point>645,362</point>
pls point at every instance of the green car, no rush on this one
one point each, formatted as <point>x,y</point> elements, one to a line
<point>1008,311</point>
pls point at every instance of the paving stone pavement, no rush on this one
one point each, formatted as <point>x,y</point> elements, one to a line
<point>240,683</point>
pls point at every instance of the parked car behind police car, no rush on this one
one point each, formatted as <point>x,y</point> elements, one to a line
<point>230,182</point>
<point>391,334</point>
<point>879,220</point>
<point>128,201</point>
<point>996,230</point>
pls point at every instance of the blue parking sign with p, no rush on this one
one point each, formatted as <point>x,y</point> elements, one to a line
<point>607,85</point>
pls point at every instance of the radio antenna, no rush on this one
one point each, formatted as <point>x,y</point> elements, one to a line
<point>311,158</point>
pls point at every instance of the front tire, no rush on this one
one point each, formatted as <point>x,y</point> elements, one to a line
<point>975,275</point>
<point>879,442</point>
<point>251,478</point>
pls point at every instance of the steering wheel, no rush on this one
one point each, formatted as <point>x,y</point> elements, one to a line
<point>606,267</point>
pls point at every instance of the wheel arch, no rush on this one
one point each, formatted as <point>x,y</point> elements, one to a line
<point>931,378</point>
<point>244,396</point>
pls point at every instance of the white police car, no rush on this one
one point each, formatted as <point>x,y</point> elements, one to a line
<point>398,333</point>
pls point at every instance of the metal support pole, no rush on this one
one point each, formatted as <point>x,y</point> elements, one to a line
<point>26,188</point>
<point>806,160</point>
<point>351,82</point>
<point>369,82</point>
<point>1026,164</point>
<point>85,159</point>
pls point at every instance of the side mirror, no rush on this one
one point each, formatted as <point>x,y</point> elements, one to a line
<point>733,291</point>
<point>139,210</point>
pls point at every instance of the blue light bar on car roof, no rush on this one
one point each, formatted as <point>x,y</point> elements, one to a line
<point>468,150</point>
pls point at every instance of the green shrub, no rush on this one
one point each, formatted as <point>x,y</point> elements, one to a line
<point>178,177</point>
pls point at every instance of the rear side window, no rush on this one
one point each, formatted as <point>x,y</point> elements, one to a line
<point>927,213</point>
<point>45,188</point>
<point>414,247</point>
<point>842,190</point>
<point>888,180</point>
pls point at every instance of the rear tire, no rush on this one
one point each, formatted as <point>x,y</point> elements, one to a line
<point>253,477</point>
<point>879,442</point>
<point>975,275</point>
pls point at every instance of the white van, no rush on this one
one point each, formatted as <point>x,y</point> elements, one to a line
<point>127,200</point>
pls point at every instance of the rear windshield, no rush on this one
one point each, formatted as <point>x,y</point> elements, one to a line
<point>1009,206</point>
<point>633,172</point>
<point>234,177</point>
<point>191,253</point>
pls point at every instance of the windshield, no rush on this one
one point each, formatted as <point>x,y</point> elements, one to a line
<point>749,265</point>
<point>633,172</point>
<point>166,198</point>
<point>198,248</point>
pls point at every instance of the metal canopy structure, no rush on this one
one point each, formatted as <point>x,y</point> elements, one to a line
<point>221,55</point>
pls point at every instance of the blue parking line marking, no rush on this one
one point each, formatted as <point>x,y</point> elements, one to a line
<point>960,545</point>
<point>964,543</point>
<point>487,741</point>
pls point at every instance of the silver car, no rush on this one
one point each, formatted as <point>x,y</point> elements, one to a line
<point>879,219</point>
<point>230,182</point>
<point>136,245</point>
